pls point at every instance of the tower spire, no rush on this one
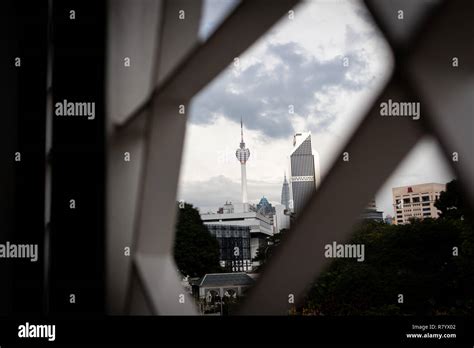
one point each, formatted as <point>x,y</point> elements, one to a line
<point>243,155</point>
<point>285,193</point>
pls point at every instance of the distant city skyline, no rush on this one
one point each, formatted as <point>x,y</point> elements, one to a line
<point>293,68</point>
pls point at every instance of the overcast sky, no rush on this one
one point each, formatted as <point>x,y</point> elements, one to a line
<point>298,62</point>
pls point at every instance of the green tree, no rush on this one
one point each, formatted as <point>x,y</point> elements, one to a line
<point>416,260</point>
<point>451,202</point>
<point>430,262</point>
<point>265,251</point>
<point>196,251</point>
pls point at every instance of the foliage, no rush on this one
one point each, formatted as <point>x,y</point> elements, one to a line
<point>264,252</point>
<point>451,202</point>
<point>196,251</point>
<point>417,260</point>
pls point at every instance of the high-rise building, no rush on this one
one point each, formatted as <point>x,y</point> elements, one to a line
<point>285,194</point>
<point>371,212</point>
<point>265,208</point>
<point>302,169</point>
<point>281,219</point>
<point>243,155</point>
<point>241,229</point>
<point>416,201</point>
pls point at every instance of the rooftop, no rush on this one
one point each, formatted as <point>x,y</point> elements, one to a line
<point>226,279</point>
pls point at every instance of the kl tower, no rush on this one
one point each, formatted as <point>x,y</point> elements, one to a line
<point>243,155</point>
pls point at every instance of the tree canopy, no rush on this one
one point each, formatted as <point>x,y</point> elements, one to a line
<point>429,262</point>
<point>196,251</point>
<point>451,202</point>
<point>418,260</point>
<point>264,252</point>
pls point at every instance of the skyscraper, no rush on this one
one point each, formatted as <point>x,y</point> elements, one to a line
<point>371,212</point>
<point>243,155</point>
<point>285,194</point>
<point>302,170</point>
<point>265,208</point>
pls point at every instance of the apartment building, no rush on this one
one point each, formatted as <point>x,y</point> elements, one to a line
<point>416,201</point>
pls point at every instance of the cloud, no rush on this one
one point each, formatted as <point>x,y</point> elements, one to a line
<point>363,13</point>
<point>209,193</point>
<point>298,63</point>
<point>214,192</point>
<point>287,74</point>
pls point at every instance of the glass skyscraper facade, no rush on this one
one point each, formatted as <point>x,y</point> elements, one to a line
<point>265,208</point>
<point>303,183</point>
<point>285,194</point>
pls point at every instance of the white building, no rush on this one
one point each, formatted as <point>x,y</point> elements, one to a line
<point>260,226</point>
<point>416,201</point>
<point>280,219</point>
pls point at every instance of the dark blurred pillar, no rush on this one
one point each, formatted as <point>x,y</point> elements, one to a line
<point>23,34</point>
<point>77,161</point>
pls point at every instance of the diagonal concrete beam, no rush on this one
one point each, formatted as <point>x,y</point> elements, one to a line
<point>245,25</point>
<point>375,150</point>
<point>447,103</point>
<point>166,131</point>
<point>447,85</point>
